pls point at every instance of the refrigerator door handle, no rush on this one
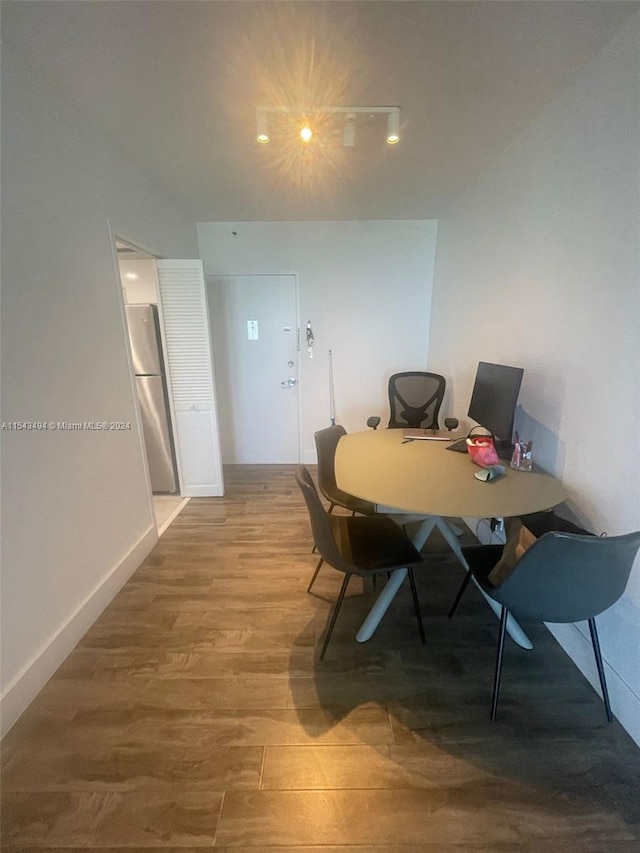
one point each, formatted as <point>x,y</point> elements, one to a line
<point>157,433</point>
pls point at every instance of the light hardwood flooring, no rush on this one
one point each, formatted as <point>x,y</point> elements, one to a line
<point>195,713</point>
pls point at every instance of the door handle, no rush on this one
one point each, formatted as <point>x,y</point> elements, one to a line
<point>291,382</point>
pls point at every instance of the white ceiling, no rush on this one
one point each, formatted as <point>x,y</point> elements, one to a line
<point>176,85</point>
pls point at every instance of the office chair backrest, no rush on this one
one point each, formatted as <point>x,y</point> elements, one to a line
<point>320,520</point>
<point>326,442</point>
<point>415,399</point>
<point>566,577</point>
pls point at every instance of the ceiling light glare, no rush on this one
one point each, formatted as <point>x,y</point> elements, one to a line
<point>306,133</point>
<point>132,276</point>
<point>262,135</point>
<point>393,128</point>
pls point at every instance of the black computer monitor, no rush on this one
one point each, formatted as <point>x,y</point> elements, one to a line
<point>493,402</point>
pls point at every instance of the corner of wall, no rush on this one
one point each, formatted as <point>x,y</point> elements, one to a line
<point>19,694</point>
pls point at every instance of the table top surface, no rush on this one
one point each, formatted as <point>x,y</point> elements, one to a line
<point>424,477</point>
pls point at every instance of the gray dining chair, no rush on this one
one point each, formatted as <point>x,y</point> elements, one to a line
<point>561,578</point>
<point>326,443</point>
<point>358,545</point>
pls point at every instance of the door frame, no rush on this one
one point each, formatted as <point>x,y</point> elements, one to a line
<point>113,237</point>
<point>296,281</point>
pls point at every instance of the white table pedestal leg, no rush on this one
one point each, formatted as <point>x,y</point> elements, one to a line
<point>513,628</point>
<point>427,526</point>
<point>451,539</point>
<point>381,604</point>
<point>424,531</point>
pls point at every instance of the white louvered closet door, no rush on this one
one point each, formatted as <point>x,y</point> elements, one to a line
<point>190,376</point>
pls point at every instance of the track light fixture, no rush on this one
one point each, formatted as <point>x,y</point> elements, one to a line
<point>305,121</point>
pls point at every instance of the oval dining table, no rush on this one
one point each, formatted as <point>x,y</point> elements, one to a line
<point>421,480</point>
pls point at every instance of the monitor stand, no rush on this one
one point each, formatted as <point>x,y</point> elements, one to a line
<point>504,448</point>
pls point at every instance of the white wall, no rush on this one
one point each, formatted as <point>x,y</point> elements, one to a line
<point>365,286</point>
<point>76,511</point>
<point>538,266</point>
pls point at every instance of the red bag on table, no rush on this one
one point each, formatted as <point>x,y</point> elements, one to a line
<point>482,450</point>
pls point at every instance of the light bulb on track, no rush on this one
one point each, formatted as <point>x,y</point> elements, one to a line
<point>262,134</point>
<point>393,128</point>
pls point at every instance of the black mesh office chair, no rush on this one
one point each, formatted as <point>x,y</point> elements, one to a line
<point>415,398</point>
<point>358,545</point>
<point>562,578</point>
<point>326,443</point>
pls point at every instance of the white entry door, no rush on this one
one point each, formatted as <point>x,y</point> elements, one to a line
<point>255,345</point>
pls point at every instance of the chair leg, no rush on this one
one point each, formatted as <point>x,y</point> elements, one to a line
<point>315,574</point>
<point>334,615</point>
<point>496,678</point>
<point>416,604</point>
<point>598,655</point>
<point>464,585</point>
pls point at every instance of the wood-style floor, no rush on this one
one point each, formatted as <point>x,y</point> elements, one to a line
<point>195,713</point>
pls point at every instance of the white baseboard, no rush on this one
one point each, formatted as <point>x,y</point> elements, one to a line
<point>625,704</point>
<point>26,685</point>
<point>212,490</point>
<point>162,527</point>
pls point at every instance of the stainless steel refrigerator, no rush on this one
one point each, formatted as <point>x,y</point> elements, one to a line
<point>151,386</point>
